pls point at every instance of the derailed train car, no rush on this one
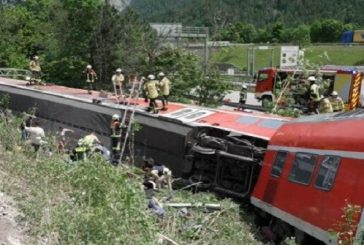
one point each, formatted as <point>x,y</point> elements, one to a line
<point>298,173</point>
<point>312,170</point>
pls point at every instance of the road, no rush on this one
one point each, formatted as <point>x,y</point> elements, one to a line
<point>234,96</point>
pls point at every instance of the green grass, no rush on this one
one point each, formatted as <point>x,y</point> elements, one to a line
<point>337,55</point>
<point>95,203</point>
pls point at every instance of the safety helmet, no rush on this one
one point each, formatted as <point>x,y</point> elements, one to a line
<point>334,93</point>
<point>161,74</point>
<point>36,58</point>
<point>245,87</point>
<point>118,70</point>
<point>115,117</point>
<point>311,79</point>
<point>89,67</point>
<point>80,142</point>
<point>151,77</point>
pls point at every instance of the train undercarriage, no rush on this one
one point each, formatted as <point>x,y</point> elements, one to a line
<point>224,162</point>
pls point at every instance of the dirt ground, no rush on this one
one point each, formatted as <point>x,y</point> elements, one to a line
<point>10,231</point>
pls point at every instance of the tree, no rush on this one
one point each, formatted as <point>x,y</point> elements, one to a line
<point>328,30</point>
<point>188,77</point>
<point>277,32</point>
<point>301,35</point>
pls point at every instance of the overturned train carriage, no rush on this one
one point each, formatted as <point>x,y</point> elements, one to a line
<point>221,149</point>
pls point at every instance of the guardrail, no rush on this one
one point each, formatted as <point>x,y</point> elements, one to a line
<point>15,73</point>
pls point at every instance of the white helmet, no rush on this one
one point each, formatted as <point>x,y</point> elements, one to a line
<point>311,79</point>
<point>244,86</point>
<point>151,77</point>
<point>119,70</point>
<point>36,57</point>
<point>115,117</point>
<point>89,67</point>
<point>161,74</point>
<point>334,93</point>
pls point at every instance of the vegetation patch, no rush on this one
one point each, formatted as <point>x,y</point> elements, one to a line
<point>93,202</point>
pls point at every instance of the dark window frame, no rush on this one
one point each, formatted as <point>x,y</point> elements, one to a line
<point>274,163</point>
<point>312,172</point>
<point>318,172</point>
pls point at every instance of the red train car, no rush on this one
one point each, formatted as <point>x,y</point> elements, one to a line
<point>313,166</point>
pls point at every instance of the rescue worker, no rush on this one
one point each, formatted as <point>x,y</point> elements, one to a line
<point>325,105</point>
<point>117,80</point>
<point>84,146</point>
<point>116,130</point>
<point>315,97</point>
<point>243,96</point>
<point>61,134</point>
<point>91,76</point>
<point>145,96</point>
<point>34,67</point>
<point>36,136</point>
<point>26,123</point>
<point>150,88</point>
<point>164,85</point>
<point>336,102</point>
<point>158,173</point>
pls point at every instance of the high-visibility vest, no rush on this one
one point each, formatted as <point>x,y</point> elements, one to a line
<point>315,92</point>
<point>118,79</point>
<point>325,106</point>
<point>337,104</point>
<point>151,88</point>
<point>34,66</point>
<point>115,129</point>
<point>164,85</point>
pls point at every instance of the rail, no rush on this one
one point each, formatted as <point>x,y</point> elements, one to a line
<point>15,73</point>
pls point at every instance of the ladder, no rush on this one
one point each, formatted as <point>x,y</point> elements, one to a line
<point>132,102</point>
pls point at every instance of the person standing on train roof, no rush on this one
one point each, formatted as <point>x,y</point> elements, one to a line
<point>91,76</point>
<point>150,88</point>
<point>35,68</point>
<point>164,85</point>
<point>118,80</point>
<point>336,102</point>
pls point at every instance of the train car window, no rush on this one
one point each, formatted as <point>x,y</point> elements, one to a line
<point>270,123</point>
<point>327,172</point>
<point>247,120</point>
<point>302,168</point>
<point>278,164</point>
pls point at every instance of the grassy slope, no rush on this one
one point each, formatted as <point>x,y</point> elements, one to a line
<point>338,55</point>
<point>94,203</point>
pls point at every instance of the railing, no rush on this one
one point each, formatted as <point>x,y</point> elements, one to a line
<point>192,30</point>
<point>15,73</point>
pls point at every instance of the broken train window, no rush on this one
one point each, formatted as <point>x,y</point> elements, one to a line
<point>327,172</point>
<point>278,164</point>
<point>302,169</point>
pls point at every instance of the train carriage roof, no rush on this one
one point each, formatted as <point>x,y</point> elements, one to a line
<point>255,124</point>
<point>336,131</point>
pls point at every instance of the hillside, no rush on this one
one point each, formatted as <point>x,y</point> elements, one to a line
<point>258,12</point>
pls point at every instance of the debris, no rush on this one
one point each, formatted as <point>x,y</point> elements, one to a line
<point>162,238</point>
<point>211,206</point>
